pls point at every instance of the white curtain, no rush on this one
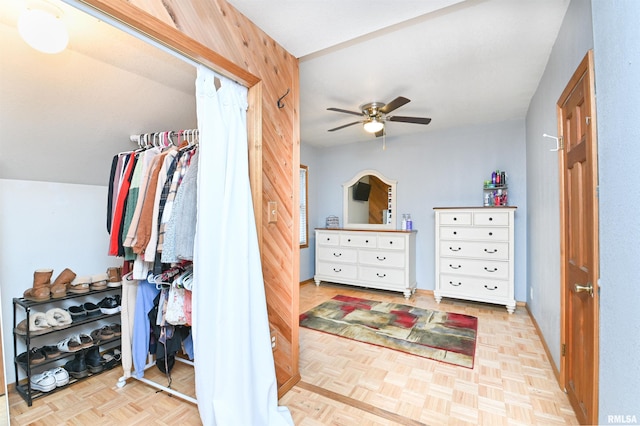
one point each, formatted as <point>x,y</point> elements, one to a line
<point>234,368</point>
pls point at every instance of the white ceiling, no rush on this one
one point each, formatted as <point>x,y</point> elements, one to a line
<point>460,62</point>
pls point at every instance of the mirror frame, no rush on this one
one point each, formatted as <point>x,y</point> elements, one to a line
<point>345,202</point>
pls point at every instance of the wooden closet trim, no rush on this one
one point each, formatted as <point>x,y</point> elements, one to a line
<point>150,26</point>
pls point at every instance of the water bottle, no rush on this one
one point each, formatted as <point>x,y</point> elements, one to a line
<point>409,223</point>
<point>404,222</point>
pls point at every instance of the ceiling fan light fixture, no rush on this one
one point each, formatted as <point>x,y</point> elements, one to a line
<point>373,125</point>
<point>41,27</point>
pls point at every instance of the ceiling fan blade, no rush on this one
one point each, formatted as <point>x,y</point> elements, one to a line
<point>394,104</point>
<point>416,120</point>
<point>344,110</point>
<point>343,126</point>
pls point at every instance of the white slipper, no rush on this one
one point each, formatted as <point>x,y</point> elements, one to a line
<point>58,318</point>
<point>80,284</point>
<point>99,281</point>
<point>44,382</point>
<point>38,323</point>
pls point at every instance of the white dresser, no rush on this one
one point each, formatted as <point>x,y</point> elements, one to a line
<point>377,259</point>
<point>474,254</point>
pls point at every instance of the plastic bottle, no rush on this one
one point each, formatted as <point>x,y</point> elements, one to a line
<point>404,222</point>
<point>409,223</point>
<point>498,181</point>
<point>503,178</point>
<point>493,178</point>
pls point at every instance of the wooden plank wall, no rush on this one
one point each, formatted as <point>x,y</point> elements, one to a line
<point>221,28</point>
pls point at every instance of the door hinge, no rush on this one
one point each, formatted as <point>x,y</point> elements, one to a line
<point>564,349</point>
<point>560,142</point>
<point>587,119</point>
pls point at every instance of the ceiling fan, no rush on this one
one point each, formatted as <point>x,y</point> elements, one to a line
<point>375,114</point>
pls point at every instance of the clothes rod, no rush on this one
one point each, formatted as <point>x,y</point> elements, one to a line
<point>149,137</point>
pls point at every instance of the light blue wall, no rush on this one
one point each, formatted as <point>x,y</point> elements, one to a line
<point>433,169</point>
<point>543,295</point>
<point>308,156</point>
<point>617,70</point>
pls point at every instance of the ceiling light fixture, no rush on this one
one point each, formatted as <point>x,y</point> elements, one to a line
<point>41,26</point>
<point>373,125</point>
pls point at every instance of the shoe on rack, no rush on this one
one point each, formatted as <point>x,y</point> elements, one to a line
<point>109,305</point>
<point>41,289</point>
<point>115,276</point>
<point>116,328</point>
<point>44,382</point>
<point>77,367</point>
<point>77,313</point>
<point>36,356</point>
<point>61,283</point>
<point>102,334</point>
<point>51,352</point>
<point>70,344</point>
<point>37,325</point>
<point>94,360</point>
<point>85,340</point>
<point>111,358</point>
<point>61,375</point>
<point>91,309</point>
<point>80,285</point>
<point>99,281</point>
<point>58,318</point>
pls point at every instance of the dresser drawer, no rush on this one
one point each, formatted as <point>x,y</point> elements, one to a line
<point>337,270</point>
<point>481,268</point>
<point>337,254</point>
<point>490,218</point>
<point>474,287</point>
<point>391,242</point>
<point>357,240</point>
<point>382,258</point>
<point>328,239</point>
<point>455,218</point>
<point>478,249</point>
<point>464,233</point>
<point>381,275</point>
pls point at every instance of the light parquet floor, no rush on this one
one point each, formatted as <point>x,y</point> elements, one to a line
<point>350,383</point>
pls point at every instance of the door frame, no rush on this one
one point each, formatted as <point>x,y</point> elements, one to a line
<point>586,68</point>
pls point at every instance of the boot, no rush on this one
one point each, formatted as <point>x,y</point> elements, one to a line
<point>59,286</point>
<point>115,276</point>
<point>94,360</point>
<point>41,285</point>
<point>77,367</point>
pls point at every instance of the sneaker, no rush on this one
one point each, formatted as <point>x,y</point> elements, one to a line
<point>109,305</point>
<point>77,313</point>
<point>61,375</point>
<point>43,382</point>
<point>92,309</point>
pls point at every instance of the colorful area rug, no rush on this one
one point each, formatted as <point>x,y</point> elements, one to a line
<point>440,336</point>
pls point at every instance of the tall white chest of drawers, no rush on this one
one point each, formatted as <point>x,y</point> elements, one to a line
<point>376,259</point>
<point>475,254</point>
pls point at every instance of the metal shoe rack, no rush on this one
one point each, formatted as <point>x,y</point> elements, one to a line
<point>23,372</point>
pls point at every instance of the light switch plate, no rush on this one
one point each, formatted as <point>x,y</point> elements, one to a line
<point>273,211</point>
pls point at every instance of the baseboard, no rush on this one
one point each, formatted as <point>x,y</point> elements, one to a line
<point>310,280</point>
<point>556,372</point>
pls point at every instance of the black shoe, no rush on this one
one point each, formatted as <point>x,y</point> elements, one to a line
<point>51,351</point>
<point>92,309</point>
<point>109,305</point>
<point>77,313</point>
<point>77,367</point>
<point>36,356</point>
<point>94,360</point>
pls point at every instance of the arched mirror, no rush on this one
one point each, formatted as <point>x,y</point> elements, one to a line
<point>369,201</point>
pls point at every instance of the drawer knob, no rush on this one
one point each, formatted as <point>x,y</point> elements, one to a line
<point>455,218</point>
<point>490,251</point>
<point>381,275</point>
<point>454,284</point>
<point>455,267</point>
<point>455,232</point>
<point>337,254</point>
<point>490,219</point>
<point>490,233</point>
<point>366,241</point>
<point>337,270</point>
<point>491,288</point>
<point>390,242</point>
<point>349,240</point>
<point>490,270</point>
<point>453,249</point>
<point>381,258</point>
